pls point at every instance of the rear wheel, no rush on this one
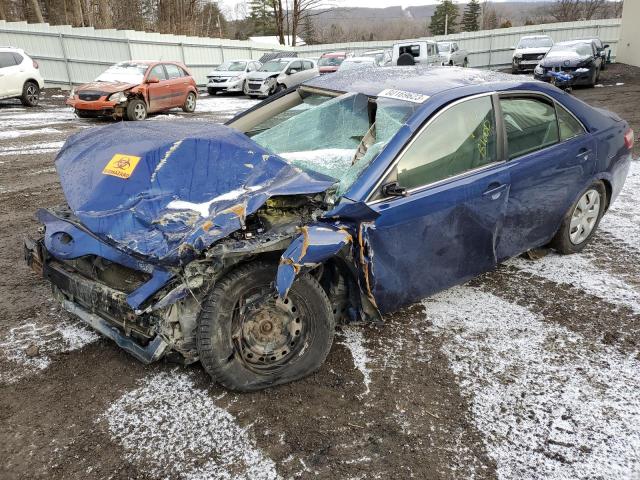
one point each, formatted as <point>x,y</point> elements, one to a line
<point>581,221</point>
<point>249,339</point>
<point>136,110</point>
<point>465,63</point>
<point>30,94</point>
<point>190,103</point>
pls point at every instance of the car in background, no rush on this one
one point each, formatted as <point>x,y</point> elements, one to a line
<point>578,58</point>
<point>529,51</point>
<point>354,63</point>
<point>424,52</point>
<point>603,49</point>
<point>452,54</point>
<point>133,89</point>
<point>243,245</point>
<point>231,76</point>
<point>20,76</point>
<point>383,57</point>
<point>329,62</point>
<point>277,75</point>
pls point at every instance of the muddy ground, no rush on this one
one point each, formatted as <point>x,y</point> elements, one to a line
<point>530,371</point>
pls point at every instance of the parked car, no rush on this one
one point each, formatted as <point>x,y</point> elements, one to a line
<point>329,62</point>
<point>423,52</point>
<point>278,75</point>
<point>579,58</point>
<point>242,245</point>
<point>529,51</point>
<point>452,54</point>
<point>353,63</point>
<point>231,76</point>
<point>383,57</point>
<point>133,89</point>
<point>19,76</point>
<point>604,50</point>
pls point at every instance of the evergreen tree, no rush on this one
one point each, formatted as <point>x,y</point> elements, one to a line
<point>262,17</point>
<point>309,34</point>
<point>446,13</point>
<point>471,17</point>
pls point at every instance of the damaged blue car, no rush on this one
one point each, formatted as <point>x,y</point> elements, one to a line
<point>242,245</point>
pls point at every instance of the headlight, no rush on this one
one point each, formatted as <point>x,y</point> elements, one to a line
<point>539,70</point>
<point>117,97</point>
<point>518,55</point>
<point>234,79</point>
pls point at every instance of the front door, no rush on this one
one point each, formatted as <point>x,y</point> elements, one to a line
<point>159,93</point>
<point>10,78</point>
<point>446,229</point>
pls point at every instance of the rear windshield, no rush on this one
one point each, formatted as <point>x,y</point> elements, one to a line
<point>330,61</point>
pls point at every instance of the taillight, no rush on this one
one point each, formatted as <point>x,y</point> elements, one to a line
<point>35,64</point>
<point>628,139</point>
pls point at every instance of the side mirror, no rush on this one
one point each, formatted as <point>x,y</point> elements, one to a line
<point>153,80</point>
<point>393,189</point>
<point>291,71</point>
<point>605,46</point>
<point>512,48</point>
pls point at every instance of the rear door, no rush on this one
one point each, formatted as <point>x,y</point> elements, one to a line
<point>551,158</point>
<point>446,229</point>
<point>10,77</point>
<point>159,93</point>
<point>178,85</point>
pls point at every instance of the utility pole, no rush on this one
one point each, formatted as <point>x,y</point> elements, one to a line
<point>219,26</point>
<point>446,23</point>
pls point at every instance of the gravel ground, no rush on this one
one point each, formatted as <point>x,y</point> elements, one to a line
<point>530,371</point>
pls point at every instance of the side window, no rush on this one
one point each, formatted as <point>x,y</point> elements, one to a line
<point>308,65</point>
<point>410,49</point>
<point>184,72</point>
<point>19,58</point>
<point>158,72</point>
<point>297,65</point>
<point>431,49</point>
<point>460,139</point>
<point>7,59</point>
<point>454,47</point>
<point>530,123</point>
<point>173,71</point>
<point>569,126</point>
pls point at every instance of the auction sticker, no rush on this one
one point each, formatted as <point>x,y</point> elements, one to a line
<point>121,166</point>
<point>403,95</point>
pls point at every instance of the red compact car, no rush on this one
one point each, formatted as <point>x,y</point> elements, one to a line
<point>134,89</point>
<point>329,62</point>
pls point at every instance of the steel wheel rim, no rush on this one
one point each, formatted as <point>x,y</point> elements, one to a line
<point>191,102</point>
<point>584,216</point>
<point>267,331</point>
<point>32,94</point>
<point>139,111</point>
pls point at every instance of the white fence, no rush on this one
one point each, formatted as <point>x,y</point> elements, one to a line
<point>69,55</point>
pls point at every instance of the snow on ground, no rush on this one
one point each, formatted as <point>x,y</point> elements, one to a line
<point>549,403</point>
<point>353,339</point>
<point>46,340</point>
<point>29,118</point>
<point>31,148</point>
<point>580,272</point>
<point>174,429</point>
<point>223,104</point>
<point>623,218</point>
<point>10,134</point>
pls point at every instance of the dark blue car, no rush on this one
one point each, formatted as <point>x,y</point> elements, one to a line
<point>242,245</point>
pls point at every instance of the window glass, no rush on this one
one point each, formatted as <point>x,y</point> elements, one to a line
<point>173,71</point>
<point>158,72</point>
<point>569,126</point>
<point>410,49</point>
<point>462,138</point>
<point>184,72</point>
<point>308,65</point>
<point>297,65</point>
<point>19,58</point>
<point>7,60</point>
<point>530,123</point>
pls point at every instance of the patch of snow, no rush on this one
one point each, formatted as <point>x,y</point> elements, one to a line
<point>619,84</point>
<point>353,339</point>
<point>622,220</point>
<point>173,429</point>
<point>550,403</point>
<point>50,339</point>
<point>203,208</point>
<point>32,148</point>
<point>580,272</point>
<point>229,105</point>
<point>26,133</point>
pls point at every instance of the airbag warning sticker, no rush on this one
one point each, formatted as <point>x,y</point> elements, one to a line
<point>403,95</point>
<point>121,166</point>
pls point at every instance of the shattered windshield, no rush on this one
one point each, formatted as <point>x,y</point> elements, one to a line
<point>231,67</point>
<point>273,66</point>
<point>581,49</point>
<point>330,61</point>
<point>126,72</point>
<point>335,136</point>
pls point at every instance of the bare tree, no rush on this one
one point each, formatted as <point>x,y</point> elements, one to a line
<point>37,11</point>
<point>278,14</point>
<point>592,7</point>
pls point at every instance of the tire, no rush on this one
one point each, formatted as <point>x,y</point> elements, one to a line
<point>190,103</point>
<point>451,63</point>
<point>273,343</point>
<point>136,110</point>
<point>465,63</point>
<point>30,94</point>
<point>515,70</point>
<point>211,91</point>
<point>563,242</point>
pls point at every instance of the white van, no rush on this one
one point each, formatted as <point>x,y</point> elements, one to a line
<point>424,52</point>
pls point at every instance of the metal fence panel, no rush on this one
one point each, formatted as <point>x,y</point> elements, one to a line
<point>69,55</point>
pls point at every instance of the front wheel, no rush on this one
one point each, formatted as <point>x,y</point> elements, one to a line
<point>136,110</point>
<point>30,94</point>
<point>190,103</point>
<point>581,221</point>
<point>249,339</point>
<point>465,63</point>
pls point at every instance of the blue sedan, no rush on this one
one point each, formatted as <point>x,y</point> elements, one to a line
<point>242,245</point>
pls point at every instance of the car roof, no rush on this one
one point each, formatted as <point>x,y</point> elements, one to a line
<point>576,42</point>
<point>535,36</point>
<point>360,59</point>
<point>422,79</point>
<point>334,54</point>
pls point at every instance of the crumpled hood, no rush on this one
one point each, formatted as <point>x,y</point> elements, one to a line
<point>106,87</point>
<point>563,59</point>
<point>262,75</point>
<point>168,190</point>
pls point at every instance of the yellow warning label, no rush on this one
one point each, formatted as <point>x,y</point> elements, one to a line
<point>121,165</point>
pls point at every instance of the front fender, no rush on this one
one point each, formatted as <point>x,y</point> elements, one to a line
<point>314,245</point>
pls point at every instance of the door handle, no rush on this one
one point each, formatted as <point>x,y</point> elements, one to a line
<point>583,153</point>
<point>494,190</point>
